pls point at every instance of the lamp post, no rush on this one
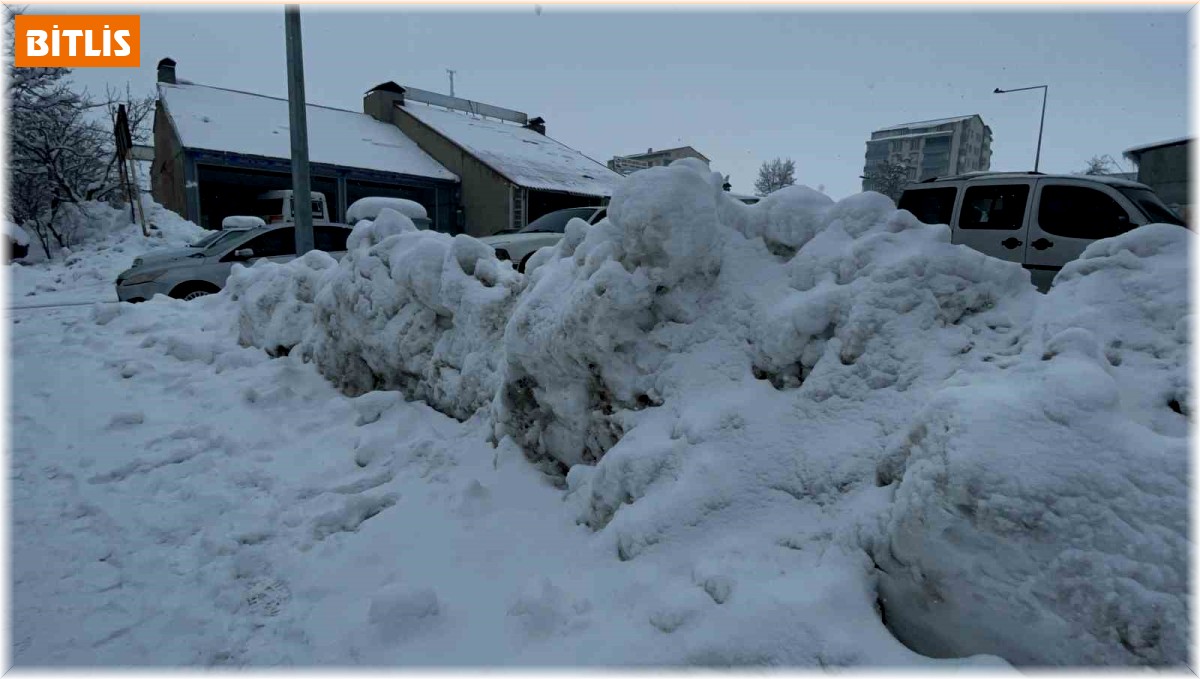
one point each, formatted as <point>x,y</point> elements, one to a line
<point>1045,90</point>
<point>298,122</point>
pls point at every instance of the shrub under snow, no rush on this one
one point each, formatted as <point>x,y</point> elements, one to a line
<point>803,386</point>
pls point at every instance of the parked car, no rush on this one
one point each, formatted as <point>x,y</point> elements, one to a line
<point>370,207</point>
<point>545,230</point>
<point>1040,221</point>
<point>519,246</point>
<point>202,268</point>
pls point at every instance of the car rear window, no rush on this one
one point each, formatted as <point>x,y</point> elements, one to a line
<point>931,206</point>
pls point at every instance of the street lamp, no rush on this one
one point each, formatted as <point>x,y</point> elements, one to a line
<point>1045,90</point>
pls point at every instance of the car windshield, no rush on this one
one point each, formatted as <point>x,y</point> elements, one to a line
<point>556,222</point>
<point>222,238</point>
<point>1152,205</point>
<point>206,240</point>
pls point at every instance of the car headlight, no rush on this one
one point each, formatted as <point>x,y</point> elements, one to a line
<point>143,277</point>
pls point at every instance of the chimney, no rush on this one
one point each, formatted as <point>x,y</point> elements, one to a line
<point>537,125</point>
<point>648,151</point>
<point>380,100</point>
<point>166,70</point>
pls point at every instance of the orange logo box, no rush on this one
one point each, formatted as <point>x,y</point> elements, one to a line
<point>78,40</point>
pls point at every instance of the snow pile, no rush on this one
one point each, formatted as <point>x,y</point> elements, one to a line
<point>1041,511</point>
<point>276,300</point>
<point>16,233</point>
<point>418,311</point>
<point>684,289</point>
<point>798,419</point>
<point>106,242</point>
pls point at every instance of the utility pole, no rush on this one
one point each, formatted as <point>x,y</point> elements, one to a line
<point>298,122</point>
<point>451,72</point>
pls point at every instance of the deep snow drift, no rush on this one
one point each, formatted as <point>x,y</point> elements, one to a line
<point>803,377</point>
<point>778,427</point>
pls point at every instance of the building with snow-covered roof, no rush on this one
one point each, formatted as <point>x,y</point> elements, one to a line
<point>652,158</point>
<point>1163,166</point>
<point>510,171</point>
<point>930,148</point>
<point>216,150</point>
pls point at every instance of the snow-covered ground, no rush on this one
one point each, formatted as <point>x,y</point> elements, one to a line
<point>89,273</point>
<point>698,433</point>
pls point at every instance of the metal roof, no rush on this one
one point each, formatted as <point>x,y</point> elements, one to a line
<point>1137,150</point>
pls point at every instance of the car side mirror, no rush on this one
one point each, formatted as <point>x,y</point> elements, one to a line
<point>244,253</point>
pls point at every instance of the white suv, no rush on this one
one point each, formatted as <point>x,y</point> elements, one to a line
<point>1040,221</point>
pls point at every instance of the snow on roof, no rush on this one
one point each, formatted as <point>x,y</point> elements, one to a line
<point>524,157</point>
<point>928,123</point>
<point>217,119</point>
<point>909,136</point>
<point>1146,147</point>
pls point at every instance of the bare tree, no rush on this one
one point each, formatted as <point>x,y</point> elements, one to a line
<point>61,147</point>
<point>887,178</point>
<point>1101,165</point>
<point>774,175</point>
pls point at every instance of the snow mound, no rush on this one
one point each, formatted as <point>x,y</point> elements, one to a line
<point>105,242</point>
<point>1041,510</point>
<point>277,300</point>
<point>16,233</point>
<point>417,311</point>
<point>371,206</point>
<point>756,401</point>
<point>684,288</point>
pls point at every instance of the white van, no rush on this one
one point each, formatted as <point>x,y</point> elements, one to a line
<point>276,207</point>
<point>1041,221</point>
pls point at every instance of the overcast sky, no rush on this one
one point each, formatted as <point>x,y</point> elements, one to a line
<point>740,86</point>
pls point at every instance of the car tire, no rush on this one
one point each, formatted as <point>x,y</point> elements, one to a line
<point>193,290</point>
<point>521,266</point>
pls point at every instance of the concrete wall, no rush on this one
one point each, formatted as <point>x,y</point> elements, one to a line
<point>485,193</point>
<point>167,175</point>
<point>1165,169</point>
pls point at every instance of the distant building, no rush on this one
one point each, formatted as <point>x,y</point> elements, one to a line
<point>931,148</point>
<point>1164,167</point>
<point>652,158</point>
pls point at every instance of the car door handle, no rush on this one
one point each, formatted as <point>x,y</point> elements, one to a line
<point>1042,244</point>
<point>1011,243</point>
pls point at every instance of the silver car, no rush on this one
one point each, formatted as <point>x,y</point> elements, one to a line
<point>203,267</point>
<point>1041,221</point>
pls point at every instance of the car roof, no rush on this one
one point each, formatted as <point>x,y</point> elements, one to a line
<point>971,176</point>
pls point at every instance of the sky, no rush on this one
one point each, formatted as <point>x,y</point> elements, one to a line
<point>741,86</point>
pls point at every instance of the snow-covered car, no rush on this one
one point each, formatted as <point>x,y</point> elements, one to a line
<point>369,208</point>
<point>203,267</point>
<point>544,231</point>
<point>1040,221</point>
